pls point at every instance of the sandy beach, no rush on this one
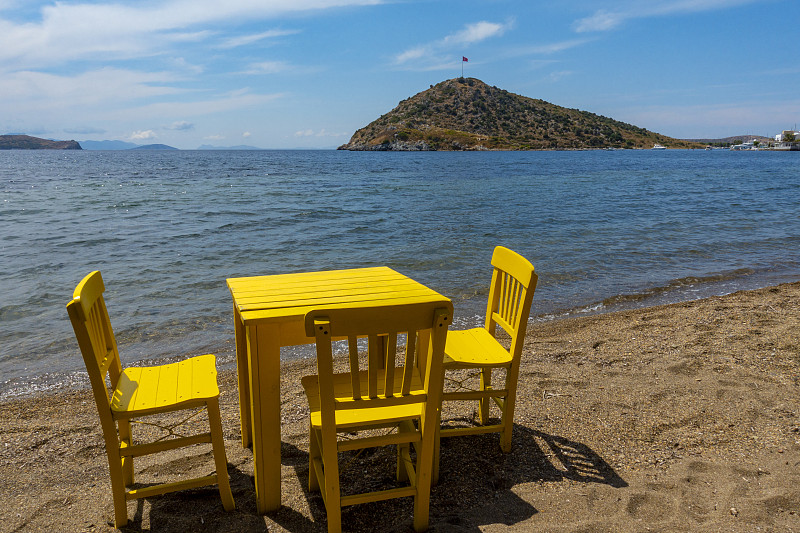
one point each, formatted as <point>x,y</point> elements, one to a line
<point>683,417</point>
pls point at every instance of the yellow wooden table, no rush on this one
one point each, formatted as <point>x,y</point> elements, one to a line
<point>268,313</point>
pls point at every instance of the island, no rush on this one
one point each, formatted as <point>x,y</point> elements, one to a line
<point>26,142</point>
<point>468,114</point>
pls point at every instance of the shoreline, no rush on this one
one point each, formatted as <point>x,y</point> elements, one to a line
<point>676,291</point>
<point>678,417</point>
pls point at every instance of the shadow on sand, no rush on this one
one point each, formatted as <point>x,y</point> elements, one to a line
<point>474,489</point>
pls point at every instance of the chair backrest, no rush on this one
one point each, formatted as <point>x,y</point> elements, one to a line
<point>386,361</point>
<point>510,296</point>
<point>89,317</point>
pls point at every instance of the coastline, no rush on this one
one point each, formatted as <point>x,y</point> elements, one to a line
<point>679,417</point>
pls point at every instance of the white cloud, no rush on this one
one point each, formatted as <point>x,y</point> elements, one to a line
<point>434,55</point>
<point>545,49</point>
<point>267,67</point>
<point>223,103</point>
<point>243,40</point>
<point>600,21</point>
<point>181,125</point>
<point>213,137</point>
<point>71,31</point>
<point>32,91</point>
<point>246,134</point>
<point>604,19</point>
<point>143,135</point>
<point>560,75</point>
<point>476,32</point>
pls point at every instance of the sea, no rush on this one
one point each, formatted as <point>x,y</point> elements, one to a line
<point>606,231</point>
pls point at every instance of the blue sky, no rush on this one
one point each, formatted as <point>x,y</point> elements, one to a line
<point>308,73</point>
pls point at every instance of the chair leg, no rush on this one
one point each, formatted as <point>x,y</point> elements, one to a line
<point>437,450</point>
<point>508,409</point>
<point>486,383</point>
<point>508,420</point>
<point>424,474</point>
<point>313,454</point>
<point>330,481</point>
<point>220,458</point>
<point>127,462</point>
<point>117,487</point>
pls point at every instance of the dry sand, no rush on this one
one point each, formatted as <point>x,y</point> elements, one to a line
<point>683,417</point>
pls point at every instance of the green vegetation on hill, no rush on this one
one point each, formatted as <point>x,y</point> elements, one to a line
<point>467,114</point>
<point>26,142</point>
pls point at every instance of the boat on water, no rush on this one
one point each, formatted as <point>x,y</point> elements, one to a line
<point>749,145</point>
<point>658,147</point>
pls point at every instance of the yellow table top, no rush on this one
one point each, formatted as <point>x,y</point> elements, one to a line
<point>285,297</point>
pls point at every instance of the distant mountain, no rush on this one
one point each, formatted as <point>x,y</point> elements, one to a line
<point>468,114</point>
<point>154,147</point>
<point>107,145</point>
<point>26,142</point>
<point>237,147</point>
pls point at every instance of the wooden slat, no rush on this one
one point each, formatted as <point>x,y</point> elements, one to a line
<point>415,396</point>
<point>390,361</point>
<point>355,383</point>
<point>158,490</point>
<point>473,395</point>
<point>170,444</point>
<point>472,430</point>
<point>380,440</point>
<point>281,314</point>
<point>401,492</point>
<point>272,290</point>
<point>319,298</point>
<point>408,369</point>
<point>301,277</point>
<point>374,356</point>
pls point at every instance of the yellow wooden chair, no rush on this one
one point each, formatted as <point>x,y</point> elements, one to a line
<point>385,394</point>
<point>138,392</point>
<point>510,294</point>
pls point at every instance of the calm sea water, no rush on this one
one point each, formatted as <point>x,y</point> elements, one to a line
<point>605,230</point>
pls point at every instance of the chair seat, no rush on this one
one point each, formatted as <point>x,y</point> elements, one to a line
<point>372,416</point>
<point>474,348</point>
<point>148,390</point>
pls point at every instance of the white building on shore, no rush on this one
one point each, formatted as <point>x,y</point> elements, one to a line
<point>779,137</point>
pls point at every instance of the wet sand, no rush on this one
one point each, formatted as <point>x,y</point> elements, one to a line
<point>683,417</point>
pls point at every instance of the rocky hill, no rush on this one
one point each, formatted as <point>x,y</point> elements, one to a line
<point>467,114</point>
<point>26,142</point>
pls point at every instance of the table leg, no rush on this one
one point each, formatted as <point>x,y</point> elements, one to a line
<point>263,347</point>
<point>243,372</point>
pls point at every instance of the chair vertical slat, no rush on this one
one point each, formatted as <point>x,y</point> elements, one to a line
<point>352,345</point>
<point>98,339</point>
<point>520,301</point>
<point>508,282</point>
<point>411,346</point>
<point>391,356</point>
<point>374,358</point>
<point>325,368</point>
<point>501,305</point>
<point>515,306</point>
